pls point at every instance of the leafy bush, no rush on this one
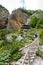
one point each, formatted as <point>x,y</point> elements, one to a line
<point>9,50</point>
<point>41,33</point>
<point>40,22</point>
<point>41,42</point>
<point>16,56</point>
<point>33,21</point>
<point>20,31</point>
<point>5,58</point>
<point>3,33</point>
<point>41,37</point>
<point>1,43</point>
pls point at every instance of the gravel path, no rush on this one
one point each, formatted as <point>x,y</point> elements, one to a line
<point>38,61</point>
<point>29,56</point>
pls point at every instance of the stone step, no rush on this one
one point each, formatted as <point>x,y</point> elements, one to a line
<point>17,63</point>
<point>32,55</point>
<point>31,60</point>
<point>27,58</point>
<point>29,55</point>
<point>25,62</point>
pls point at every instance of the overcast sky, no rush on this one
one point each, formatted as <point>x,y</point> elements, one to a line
<point>29,4</point>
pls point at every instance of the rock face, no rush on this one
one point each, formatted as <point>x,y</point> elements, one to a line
<point>3,17</point>
<point>17,19</point>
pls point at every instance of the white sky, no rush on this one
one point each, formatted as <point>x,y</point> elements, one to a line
<point>30,4</point>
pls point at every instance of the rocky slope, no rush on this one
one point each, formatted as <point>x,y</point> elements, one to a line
<point>17,19</point>
<point>3,17</point>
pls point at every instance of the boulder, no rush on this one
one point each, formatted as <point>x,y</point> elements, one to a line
<point>3,17</point>
<point>17,19</point>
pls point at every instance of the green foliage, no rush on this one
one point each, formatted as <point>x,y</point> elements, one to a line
<point>9,50</point>
<point>16,56</point>
<point>41,20</point>
<point>33,21</point>
<point>41,42</point>
<point>41,37</point>
<point>5,58</point>
<point>1,43</point>
<point>39,53</point>
<point>40,23</point>
<point>29,36</point>
<point>41,33</point>
<point>3,33</point>
<point>20,31</point>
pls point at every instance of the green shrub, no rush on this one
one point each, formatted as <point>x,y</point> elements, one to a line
<point>33,21</point>
<point>20,31</point>
<point>41,33</point>
<point>39,53</point>
<point>10,52</point>
<point>5,58</point>
<point>41,37</point>
<point>2,43</point>
<point>3,33</point>
<point>40,22</point>
<point>16,56</point>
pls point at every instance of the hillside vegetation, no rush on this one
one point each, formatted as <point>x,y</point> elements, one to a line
<point>10,42</point>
